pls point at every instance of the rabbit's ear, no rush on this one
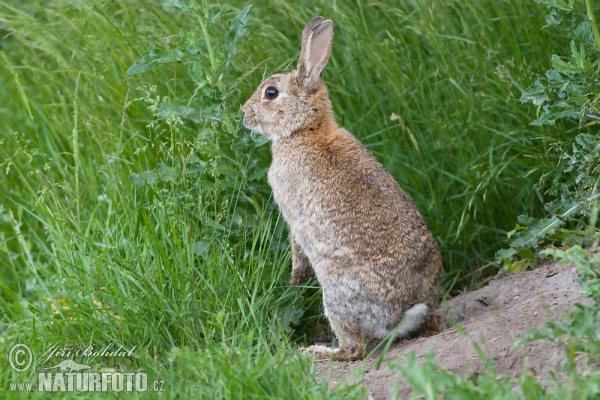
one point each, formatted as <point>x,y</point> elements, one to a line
<point>317,40</point>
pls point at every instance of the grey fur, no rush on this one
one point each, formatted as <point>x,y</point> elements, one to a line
<point>351,224</point>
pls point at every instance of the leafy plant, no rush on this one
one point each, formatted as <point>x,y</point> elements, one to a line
<point>567,99</point>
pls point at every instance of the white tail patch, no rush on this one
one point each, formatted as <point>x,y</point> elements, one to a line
<point>413,318</point>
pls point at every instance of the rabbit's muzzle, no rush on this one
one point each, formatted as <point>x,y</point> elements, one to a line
<point>249,117</point>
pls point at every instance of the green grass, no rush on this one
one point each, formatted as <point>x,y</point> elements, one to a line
<point>192,267</point>
<point>452,72</point>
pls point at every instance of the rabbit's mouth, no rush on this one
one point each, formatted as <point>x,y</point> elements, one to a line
<point>249,119</point>
<point>253,122</point>
<point>252,125</point>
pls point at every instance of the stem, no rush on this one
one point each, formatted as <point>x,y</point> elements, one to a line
<point>76,161</point>
<point>213,61</point>
<point>590,11</point>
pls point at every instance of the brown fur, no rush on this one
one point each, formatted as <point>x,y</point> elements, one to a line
<point>351,223</point>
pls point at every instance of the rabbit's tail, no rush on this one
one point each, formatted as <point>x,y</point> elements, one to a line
<point>411,321</point>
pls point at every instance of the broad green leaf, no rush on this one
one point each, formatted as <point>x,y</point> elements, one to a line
<point>559,4</point>
<point>238,25</point>
<point>544,226</point>
<point>535,95</point>
<point>168,110</point>
<point>167,174</point>
<point>258,139</point>
<point>519,266</point>
<point>554,76</point>
<point>505,254</point>
<point>141,179</point>
<point>148,62</point>
<point>171,4</point>
<point>564,66</point>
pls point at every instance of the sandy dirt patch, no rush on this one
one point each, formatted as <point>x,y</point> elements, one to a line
<point>493,317</point>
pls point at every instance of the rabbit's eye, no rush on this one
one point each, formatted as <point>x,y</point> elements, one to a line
<point>271,93</point>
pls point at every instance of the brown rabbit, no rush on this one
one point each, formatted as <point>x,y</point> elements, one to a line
<point>351,224</point>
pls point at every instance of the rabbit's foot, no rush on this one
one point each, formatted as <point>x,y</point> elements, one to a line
<point>321,351</point>
<point>355,353</point>
<point>338,353</point>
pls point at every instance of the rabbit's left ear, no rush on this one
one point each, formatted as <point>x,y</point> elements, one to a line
<point>317,39</point>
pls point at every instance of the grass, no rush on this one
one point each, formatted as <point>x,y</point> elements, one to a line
<point>432,88</point>
<point>135,209</point>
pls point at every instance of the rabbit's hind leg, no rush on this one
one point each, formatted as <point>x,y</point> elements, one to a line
<point>351,343</point>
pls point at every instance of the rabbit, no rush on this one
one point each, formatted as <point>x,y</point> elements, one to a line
<point>352,226</point>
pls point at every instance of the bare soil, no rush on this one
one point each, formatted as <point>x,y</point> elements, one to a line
<point>493,317</point>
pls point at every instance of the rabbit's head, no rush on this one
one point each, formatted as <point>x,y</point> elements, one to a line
<point>292,101</point>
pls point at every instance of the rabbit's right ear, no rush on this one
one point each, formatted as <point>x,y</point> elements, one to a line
<point>317,39</point>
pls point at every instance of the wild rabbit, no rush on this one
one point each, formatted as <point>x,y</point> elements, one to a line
<point>351,224</point>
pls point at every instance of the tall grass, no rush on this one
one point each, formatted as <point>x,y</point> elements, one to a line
<point>433,88</point>
<point>135,208</point>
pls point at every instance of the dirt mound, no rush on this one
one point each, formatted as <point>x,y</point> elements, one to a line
<point>494,317</point>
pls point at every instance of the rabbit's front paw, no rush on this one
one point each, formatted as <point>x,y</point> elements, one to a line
<point>301,273</point>
<point>301,269</point>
